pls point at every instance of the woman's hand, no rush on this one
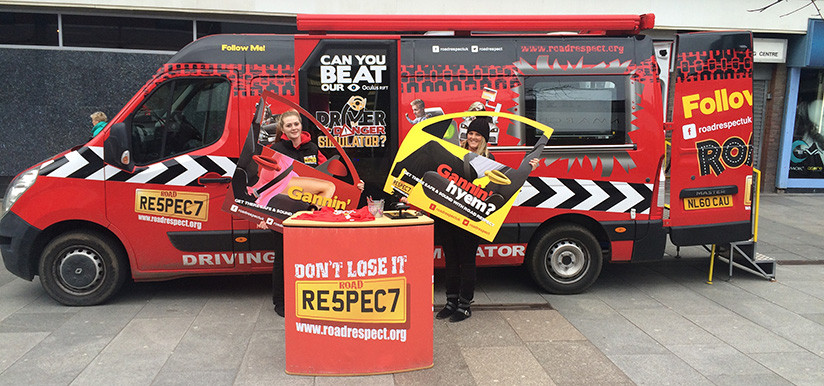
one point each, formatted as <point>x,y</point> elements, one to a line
<point>360,185</point>
<point>534,163</point>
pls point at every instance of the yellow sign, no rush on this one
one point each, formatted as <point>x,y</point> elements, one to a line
<point>363,301</point>
<point>694,203</point>
<point>171,203</point>
<point>462,188</point>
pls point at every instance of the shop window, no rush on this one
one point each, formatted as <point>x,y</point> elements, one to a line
<point>126,32</point>
<point>582,111</point>
<point>807,158</point>
<point>179,116</point>
<point>36,29</point>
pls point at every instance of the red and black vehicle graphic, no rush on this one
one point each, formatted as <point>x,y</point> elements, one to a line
<point>144,198</point>
<point>712,139</point>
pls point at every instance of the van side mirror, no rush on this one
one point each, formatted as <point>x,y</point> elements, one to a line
<point>117,149</point>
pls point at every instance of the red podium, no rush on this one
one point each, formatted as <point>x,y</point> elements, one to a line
<point>358,296</point>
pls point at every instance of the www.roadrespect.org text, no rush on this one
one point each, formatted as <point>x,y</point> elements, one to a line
<point>574,48</point>
<point>171,221</point>
<point>353,333</point>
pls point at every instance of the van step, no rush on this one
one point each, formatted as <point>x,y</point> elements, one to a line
<point>742,255</point>
<point>763,257</point>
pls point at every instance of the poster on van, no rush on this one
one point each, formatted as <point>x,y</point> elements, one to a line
<point>351,87</point>
<point>275,179</point>
<point>454,184</point>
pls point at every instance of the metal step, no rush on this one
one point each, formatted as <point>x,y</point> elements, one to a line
<point>742,255</point>
<point>763,257</point>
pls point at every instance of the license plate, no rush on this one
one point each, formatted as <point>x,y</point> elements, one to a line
<point>694,203</point>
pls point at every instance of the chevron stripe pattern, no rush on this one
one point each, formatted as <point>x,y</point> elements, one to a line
<point>184,170</point>
<point>604,196</point>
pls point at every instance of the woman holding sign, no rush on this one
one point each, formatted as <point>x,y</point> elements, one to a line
<point>459,246</point>
<point>297,144</point>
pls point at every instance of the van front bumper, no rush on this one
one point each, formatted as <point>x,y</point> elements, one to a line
<point>16,243</point>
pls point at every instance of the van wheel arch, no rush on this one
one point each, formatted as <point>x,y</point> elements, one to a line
<point>565,254</point>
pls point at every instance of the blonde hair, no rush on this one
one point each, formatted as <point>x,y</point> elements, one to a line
<point>98,116</point>
<point>279,126</point>
<point>476,106</point>
<point>483,148</point>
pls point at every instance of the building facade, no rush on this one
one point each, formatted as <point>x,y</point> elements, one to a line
<point>67,59</point>
<point>801,150</point>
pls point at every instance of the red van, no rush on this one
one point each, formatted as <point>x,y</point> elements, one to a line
<point>143,199</point>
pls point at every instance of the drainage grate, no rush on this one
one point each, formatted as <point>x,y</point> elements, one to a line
<point>800,262</point>
<point>506,307</point>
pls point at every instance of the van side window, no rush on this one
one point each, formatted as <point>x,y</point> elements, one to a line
<point>179,116</point>
<point>589,110</point>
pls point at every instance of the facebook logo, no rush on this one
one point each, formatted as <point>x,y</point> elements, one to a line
<point>689,131</point>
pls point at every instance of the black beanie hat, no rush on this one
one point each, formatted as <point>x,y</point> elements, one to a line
<point>481,126</point>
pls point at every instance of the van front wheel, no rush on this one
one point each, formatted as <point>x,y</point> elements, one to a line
<point>566,259</point>
<point>82,268</point>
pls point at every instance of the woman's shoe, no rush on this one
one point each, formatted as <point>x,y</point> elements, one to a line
<point>448,309</point>
<point>462,312</point>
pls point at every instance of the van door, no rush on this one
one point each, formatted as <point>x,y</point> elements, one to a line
<point>169,208</point>
<point>711,172</point>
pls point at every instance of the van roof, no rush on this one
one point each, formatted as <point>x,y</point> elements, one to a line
<point>239,49</point>
<point>465,24</point>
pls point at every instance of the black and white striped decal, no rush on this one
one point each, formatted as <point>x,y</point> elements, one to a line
<point>604,196</point>
<point>184,170</point>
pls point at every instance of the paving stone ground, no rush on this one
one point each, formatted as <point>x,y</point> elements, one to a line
<point>655,323</point>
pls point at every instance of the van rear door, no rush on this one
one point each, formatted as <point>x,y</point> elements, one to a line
<point>711,172</point>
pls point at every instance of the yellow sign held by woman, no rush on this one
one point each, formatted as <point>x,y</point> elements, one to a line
<point>454,184</point>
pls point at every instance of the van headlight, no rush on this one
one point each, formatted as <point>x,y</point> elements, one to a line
<point>17,187</point>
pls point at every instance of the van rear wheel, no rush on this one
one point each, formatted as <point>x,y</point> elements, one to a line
<point>566,259</point>
<point>83,268</point>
